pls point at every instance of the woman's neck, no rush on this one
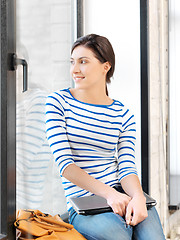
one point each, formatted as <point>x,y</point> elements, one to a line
<point>93,96</point>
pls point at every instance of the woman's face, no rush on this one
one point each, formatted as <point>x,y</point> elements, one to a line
<point>86,70</point>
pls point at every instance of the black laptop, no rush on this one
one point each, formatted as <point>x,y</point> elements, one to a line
<point>91,205</point>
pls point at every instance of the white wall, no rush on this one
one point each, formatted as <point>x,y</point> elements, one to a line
<point>119,21</point>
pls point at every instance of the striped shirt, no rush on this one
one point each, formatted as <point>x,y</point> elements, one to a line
<point>100,139</point>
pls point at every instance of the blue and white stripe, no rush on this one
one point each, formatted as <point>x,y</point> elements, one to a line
<point>32,150</point>
<point>98,138</point>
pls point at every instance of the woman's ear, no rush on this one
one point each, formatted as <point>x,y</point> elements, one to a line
<point>107,66</point>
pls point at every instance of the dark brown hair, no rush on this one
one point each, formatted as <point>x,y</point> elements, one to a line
<point>102,49</point>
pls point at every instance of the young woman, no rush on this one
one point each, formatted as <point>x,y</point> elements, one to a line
<point>93,139</point>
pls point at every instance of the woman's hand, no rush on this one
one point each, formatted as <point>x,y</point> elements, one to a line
<point>118,202</point>
<point>136,210</point>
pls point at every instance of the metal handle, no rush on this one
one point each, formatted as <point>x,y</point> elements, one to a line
<point>18,61</point>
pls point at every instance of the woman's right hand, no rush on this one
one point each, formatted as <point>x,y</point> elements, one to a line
<point>118,202</point>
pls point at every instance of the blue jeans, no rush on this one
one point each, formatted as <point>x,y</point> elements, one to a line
<point>111,226</point>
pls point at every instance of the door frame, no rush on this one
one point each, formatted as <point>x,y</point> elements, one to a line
<point>7,121</point>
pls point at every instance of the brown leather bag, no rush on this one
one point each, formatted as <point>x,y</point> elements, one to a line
<point>33,224</point>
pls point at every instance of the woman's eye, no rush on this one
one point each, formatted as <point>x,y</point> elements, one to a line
<point>83,61</point>
<point>72,62</point>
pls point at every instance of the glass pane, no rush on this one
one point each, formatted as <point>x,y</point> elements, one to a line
<point>44,41</point>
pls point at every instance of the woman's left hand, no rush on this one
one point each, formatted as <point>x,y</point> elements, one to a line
<point>136,210</point>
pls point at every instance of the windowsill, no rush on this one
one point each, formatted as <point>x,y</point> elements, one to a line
<point>3,237</point>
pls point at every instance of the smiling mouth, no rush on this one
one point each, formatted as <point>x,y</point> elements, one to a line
<point>76,79</point>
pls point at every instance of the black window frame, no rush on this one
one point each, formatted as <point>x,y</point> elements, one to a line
<point>144,36</point>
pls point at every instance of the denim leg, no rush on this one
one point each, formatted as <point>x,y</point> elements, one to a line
<point>150,228</point>
<point>110,226</point>
<point>105,226</point>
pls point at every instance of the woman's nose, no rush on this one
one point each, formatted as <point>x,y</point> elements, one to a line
<point>75,68</point>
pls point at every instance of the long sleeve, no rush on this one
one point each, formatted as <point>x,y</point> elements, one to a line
<point>126,146</point>
<point>56,131</point>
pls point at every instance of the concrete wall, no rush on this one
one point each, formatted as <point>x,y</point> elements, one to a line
<point>159,114</point>
<point>158,70</point>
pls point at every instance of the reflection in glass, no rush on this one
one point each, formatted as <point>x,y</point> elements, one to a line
<point>44,40</point>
